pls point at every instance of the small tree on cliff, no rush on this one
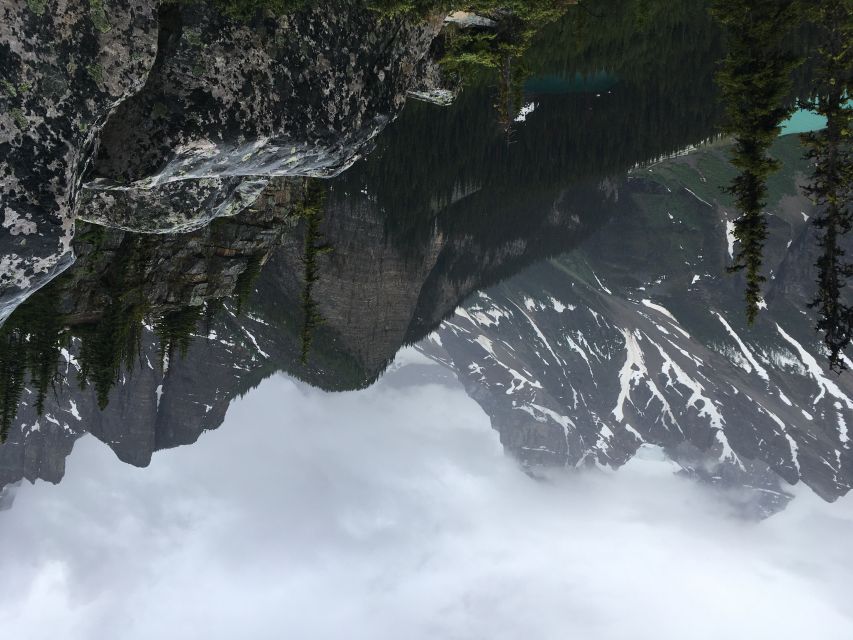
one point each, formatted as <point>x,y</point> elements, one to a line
<point>831,185</point>
<point>755,80</point>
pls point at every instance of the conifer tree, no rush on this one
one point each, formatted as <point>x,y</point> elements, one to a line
<point>30,345</point>
<point>311,211</point>
<point>755,81</point>
<point>831,185</point>
<point>174,329</point>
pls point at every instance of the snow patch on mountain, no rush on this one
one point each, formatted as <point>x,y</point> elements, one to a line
<point>752,363</point>
<point>826,385</point>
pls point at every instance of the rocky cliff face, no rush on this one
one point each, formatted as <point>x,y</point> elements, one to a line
<point>638,337</point>
<point>190,113</point>
<point>228,105</point>
<point>374,294</point>
<point>295,94</point>
<point>174,271</point>
<point>65,65</point>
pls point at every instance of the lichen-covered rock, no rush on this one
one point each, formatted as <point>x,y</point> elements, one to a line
<point>174,207</point>
<point>299,94</point>
<point>65,65</point>
<point>432,84</point>
<point>188,111</point>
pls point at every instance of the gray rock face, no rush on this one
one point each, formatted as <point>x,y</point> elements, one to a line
<point>152,408</point>
<point>190,135</point>
<point>292,94</point>
<point>65,65</point>
<point>175,207</point>
<point>374,295</point>
<point>300,94</point>
<point>171,272</point>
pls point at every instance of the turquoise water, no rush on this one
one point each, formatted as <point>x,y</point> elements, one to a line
<point>803,121</point>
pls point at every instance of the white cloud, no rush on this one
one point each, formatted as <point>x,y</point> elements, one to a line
<point>394,514</point>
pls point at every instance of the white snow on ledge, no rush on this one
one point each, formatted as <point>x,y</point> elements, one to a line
<point>730,237</point>
<point>826,386</point>
<point>665,312</point>
<point>439,97</point>
<point>466,19</point>
<point>525,111</point>
<point>751,362</point>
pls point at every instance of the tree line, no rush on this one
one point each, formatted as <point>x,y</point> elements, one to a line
<point>106,338</point>
<point>756,82</point>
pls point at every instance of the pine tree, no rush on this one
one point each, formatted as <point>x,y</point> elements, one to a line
<point>311,211</point>
<point>12,370</point>
<point>174,329</point>
<point>30,346</point>
<point>245,284</point>
<point>113,342</point>
<point>831,184</point>
<point>755,81</point>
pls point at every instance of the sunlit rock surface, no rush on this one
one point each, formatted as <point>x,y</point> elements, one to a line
<point>175,207</point>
